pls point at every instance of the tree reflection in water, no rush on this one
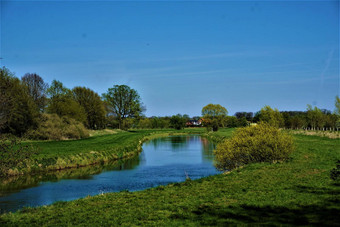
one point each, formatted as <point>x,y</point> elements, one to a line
<point>17,183</point>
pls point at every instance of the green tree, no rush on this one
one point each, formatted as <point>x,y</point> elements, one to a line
<point>36,89</point>
<point>93,106</point>
<point>337,106</point>
<point>231,121</point>
<point>337,110</point>
<point>18,111</point>
<point>272,117</point>
<point>315,117</point>
<point>297,122</point>
<point>145,123</point>
<point>123,102</point>
<point>178,121</point>
<point>62,103</point>
<point>241,122</point>
<point>214,115</point>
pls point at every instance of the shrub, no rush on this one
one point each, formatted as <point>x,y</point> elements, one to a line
<point>52,127</point>
<point>259,143</point>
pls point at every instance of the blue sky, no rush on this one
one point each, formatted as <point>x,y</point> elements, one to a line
<point>181,56</point>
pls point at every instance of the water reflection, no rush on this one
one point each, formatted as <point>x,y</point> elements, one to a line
<point>207,150</point>
<point>175,142</point>
<point>163,161</point>
<point>17,183</point>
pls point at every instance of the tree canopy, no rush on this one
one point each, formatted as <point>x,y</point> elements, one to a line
<point>315,117</point>
<point>213,115</point>
<point>18,111</point>
<point>337,106</point>
<point>272,117</point>
<point>61,102</point>
<point>123,101</point>
<point>178,121</point>
<point>93,106</point>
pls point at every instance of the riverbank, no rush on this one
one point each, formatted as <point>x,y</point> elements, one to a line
<point>297,192</point>
<point>100,148</point>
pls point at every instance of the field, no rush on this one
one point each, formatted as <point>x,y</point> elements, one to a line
<point>296,192</point>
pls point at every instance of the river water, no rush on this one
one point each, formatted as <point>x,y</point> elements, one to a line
<point>162,161</point>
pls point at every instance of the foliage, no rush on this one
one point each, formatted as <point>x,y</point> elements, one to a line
<point>62,103</point>
<point>18,111</point>
<point>178,121</point>
<point>335,173</point>
<point>123,101</point>
<point>231,121</point>
<point>145,123</point>
<point>248,115</point>
<point>129,123</point>
<point>153,123</point>
<point>315,117</point>
<point>272,117</point>
<point>53,127</point>
<point>259,143</point>
<point>93,106</point>
<point>337,106</point>
<point>213,116</point>
<point>337,110</point>
<point>13,154</point>
<point>57,89</point>
<point>36,89</point>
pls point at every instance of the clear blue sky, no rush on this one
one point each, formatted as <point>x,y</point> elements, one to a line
<point>181,56</point>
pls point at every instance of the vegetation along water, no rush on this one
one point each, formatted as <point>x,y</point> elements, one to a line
<point>163,160</point>
<point>298,191</point>
<point>280,167</point>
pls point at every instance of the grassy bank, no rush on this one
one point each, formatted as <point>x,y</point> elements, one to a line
<point>100,148</point>
<point>299,191</point>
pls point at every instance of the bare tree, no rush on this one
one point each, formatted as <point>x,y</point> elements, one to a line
<point>36,88</point>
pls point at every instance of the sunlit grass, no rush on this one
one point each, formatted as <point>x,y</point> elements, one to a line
<point>296,192</point>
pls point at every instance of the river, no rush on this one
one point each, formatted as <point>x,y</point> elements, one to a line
<point>162,161</point>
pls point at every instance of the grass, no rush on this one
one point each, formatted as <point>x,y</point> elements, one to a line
<point>329,134</point>
<point>103,146</point>
<point>296,192</point>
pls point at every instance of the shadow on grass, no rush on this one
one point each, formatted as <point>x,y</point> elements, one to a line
<point>324,214</point>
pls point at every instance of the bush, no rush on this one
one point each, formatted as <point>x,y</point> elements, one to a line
<point>52,127</point>
<point>259,143</point>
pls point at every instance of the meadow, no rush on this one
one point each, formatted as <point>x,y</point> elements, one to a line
<point>296,192</point>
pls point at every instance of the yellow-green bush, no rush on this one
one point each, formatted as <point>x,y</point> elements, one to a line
<point>259,143</point>
<point>53,127</point>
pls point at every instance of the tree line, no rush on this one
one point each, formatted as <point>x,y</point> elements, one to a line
<point>31,107</point>
<point>311,119</point>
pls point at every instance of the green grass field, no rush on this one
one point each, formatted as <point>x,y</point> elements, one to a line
<point>296,192</point>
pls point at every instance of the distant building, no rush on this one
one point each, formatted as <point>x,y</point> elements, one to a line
<point>193,123</point>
